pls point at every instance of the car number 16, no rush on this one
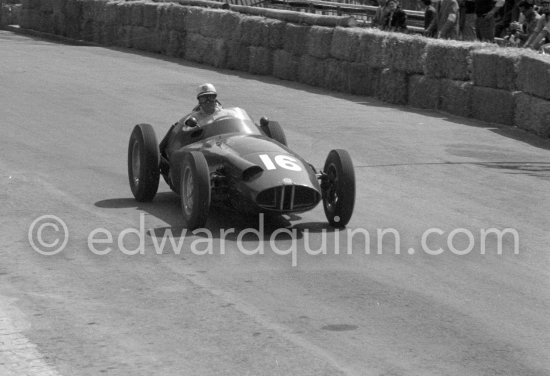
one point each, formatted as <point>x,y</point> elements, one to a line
<point>283,161</point>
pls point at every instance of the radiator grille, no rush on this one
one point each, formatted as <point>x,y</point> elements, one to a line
<point>288,198</point>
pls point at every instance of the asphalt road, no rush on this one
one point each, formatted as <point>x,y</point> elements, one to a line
<point>66,115</point>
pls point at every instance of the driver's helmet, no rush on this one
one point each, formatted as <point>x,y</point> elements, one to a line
<point>206,89</point>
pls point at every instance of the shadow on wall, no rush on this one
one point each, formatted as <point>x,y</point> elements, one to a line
<point>369,101</point>
<point>10,14</point>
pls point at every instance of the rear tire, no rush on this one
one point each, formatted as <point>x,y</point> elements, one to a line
<point>339,188</point>
<point>274,130</point>
<point>195,190</point>
<point>143,163</point>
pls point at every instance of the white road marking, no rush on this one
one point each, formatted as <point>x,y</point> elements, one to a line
<point>18,355</point>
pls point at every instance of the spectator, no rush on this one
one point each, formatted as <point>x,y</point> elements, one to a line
<point>485,18</point>
<point>506,15</point>
<point>528,20</point>
<point>380,15</point>
<point>430,19</point>
<point>447,19</point>
<point>396,18</point>
<point>467,20</point>
<point>542,30</point>
<point>513,35</point>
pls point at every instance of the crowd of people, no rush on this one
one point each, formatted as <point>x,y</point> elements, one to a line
<point>518,23</point>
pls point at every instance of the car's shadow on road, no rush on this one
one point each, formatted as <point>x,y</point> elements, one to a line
<point>222,222</point>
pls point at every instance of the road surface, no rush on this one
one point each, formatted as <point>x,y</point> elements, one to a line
<point>315,302</point>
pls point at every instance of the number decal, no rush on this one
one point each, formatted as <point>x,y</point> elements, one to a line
<point>267,162</point>
<point>284,161</point>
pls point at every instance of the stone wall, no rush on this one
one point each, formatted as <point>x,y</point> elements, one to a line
<point>500,85</point>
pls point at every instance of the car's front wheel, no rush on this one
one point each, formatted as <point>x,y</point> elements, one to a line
<point>338,188</point>
<point>143,163</point>
<point>195,190</point>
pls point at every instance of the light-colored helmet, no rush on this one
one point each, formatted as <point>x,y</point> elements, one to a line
<point>205,89</point>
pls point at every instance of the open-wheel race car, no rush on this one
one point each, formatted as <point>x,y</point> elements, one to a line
<point>230,160</point>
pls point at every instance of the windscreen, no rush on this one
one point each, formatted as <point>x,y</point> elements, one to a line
<point>229,125</point>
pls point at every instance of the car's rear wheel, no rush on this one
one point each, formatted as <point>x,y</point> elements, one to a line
<point>274,130</point>
<point>143,163</point>
<point>195,190</point>
<point>338,188</point>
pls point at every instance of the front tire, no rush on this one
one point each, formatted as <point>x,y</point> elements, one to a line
<point>143,163</point>
<point>338,188</point>
<point>195,190</point>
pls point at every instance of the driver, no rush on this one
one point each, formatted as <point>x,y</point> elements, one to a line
<point>208,104</point>
<point>207,107</point>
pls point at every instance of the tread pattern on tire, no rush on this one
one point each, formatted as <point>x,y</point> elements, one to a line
<point>346,188</point>
<point>148,184</point>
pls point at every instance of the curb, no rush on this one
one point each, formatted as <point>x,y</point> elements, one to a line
<point>48,36</point>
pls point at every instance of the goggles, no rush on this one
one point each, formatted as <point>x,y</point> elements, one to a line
<point>207,98</point>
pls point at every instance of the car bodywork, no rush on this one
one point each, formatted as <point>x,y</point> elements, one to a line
<point>249,170</point>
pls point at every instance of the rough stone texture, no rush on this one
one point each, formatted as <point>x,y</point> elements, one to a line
<point>359,61</point>
<point>372,46</point>
<point>295,39</point>
<point>238,56</point>
<point>124,36</point>
<point>73,15</point>
<point>532,114</point>
<point>137,13</point>
<point>337,75</point>
<point>194,19</point>
<point>110,16</point>
<point>216,53</point>
<point>312,70</point>
<point>345,44</point>
<point>392,87</point>
<point>144,39</point>
<point>176,44</point>
<point>254,31</point>
<point>456,97</point>
<point>493,105</point>
<point>195,47</point>
<point>230,25</point>
<point>319,41</point>
<point>450,59</point>
<point>285,65</point>
<point>406,53</point>
<point>163,16</point>
<point>495,67</point>
<point>424,92</point>
<point>210,28</point>
<point>364,80</point>
<point>534,75</point>
<point>261,61</point>
<point>123,11</point>
<point>150,15</point>
<point>276,33</point>
<point>30,4</point>
<point>109,35</point>
<point>176,19</point>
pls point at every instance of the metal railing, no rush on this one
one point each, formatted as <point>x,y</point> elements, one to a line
<point>359,9</point>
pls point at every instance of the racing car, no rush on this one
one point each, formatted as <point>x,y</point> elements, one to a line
<point>230,160</point>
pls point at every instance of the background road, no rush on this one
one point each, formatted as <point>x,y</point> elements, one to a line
<point>66,115</point>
